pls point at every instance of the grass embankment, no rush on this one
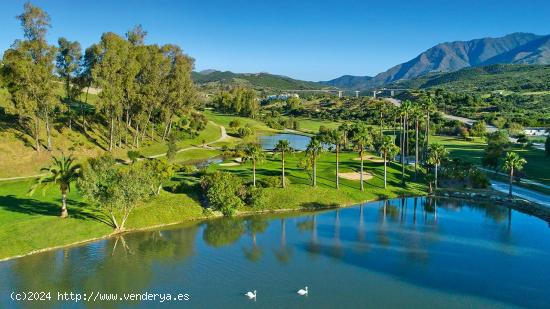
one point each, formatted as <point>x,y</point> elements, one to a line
<point>32,223</point>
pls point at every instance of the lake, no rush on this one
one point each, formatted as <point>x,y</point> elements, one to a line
<point>296,141</point>
<point>413,253</point>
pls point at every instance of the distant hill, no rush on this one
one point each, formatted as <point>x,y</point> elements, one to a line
<point>349,82</point>
<point>514,77</point>
<point>259,81</point>
<point>516,48</point>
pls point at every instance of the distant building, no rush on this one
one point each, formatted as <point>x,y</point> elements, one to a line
<point>536,131</point>
<point>283,96</point>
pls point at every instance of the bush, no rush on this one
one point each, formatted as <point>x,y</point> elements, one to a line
<point>256,197</point>
<point>479,180</point>
<point>244,132</point>
<point>188,169</point>
<point>133,155</point>
<point>272,182</point>
<point>223,192</point>
<point>235,123</point>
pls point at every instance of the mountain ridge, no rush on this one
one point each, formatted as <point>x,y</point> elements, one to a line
<point>514,48</point>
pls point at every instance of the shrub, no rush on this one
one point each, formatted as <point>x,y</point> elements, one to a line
<point>244,132</point>
<point>272,182</point>
<point>223,192</point>
<point>256,197</point>
<point>479,180</point>
<point>133,155</point>
<point>235,123</point>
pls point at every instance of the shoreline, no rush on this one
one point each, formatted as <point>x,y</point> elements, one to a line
<point>214,215</point>
<point>520,205</point>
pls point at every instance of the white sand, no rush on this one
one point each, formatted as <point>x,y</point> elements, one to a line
<point>355,176</point>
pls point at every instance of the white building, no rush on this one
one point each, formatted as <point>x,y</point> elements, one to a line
<point>536,131</point>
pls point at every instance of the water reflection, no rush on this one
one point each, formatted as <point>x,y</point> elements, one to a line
<point>486,253</point>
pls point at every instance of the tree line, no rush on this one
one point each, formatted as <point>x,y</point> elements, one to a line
<point>142,89</point>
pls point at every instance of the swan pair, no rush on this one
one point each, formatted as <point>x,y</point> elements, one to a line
<point>252,295</point>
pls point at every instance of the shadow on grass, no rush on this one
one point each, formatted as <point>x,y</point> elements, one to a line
<point>318,205</point>
<point>35,207</point>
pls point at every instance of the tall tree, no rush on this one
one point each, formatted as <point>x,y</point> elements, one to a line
<point>337,138</point>
<point>62,172</point>
<point>313,151</point>
<point>388,149</point>
<point>362,138</point>
<point>513,162</point>
<point>29,68</point>
<point>428,106</point>
<point>416,114</point>
<point>436,154</point>
<point>254,153</point>
<point>111,53</point>
<point>181,93</point>
<point>283,147</point>
<point>69,55</point>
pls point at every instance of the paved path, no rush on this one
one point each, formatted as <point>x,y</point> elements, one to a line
<point>527,194</point>
<point>222,138</point>
<point>527,181</point>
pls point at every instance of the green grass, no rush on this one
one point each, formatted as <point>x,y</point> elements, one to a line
<point>225,119</point>
<point>211,133</point>
<point>537,167</point>
<point>302,194</point>
<point>32,223</point>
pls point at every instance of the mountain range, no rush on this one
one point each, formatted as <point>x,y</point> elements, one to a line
<point>515,48</point>
<point>258,81</point>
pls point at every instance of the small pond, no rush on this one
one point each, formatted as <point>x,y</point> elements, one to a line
<point>403,253</point>
<point>296,141</point>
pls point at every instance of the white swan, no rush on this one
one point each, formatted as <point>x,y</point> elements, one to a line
<point>302,291</point>
<point>251,295</point>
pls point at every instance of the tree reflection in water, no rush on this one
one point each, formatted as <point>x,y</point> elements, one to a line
<point>254,225</point>
<point>283,253</point>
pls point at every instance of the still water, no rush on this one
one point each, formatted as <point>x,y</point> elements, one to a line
<point>405,253</point>
<point>296,141</point>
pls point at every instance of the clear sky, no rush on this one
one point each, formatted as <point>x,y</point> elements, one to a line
<point>311,40</point>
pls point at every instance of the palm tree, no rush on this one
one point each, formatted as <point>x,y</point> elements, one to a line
<point>417,115</point>
<point>513,162</point>
<point>283,147</point>
<point>253,152</point>
<point>362,138</point>
<point>313,150</point>
<point>388,148</point>
<point>337,138</point>
<point>436,153</point>
<point>62,172</point>
<point>345,128</point>
<point>428,106</point>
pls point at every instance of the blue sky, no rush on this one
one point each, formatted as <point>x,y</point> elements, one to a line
<point>311,40</point>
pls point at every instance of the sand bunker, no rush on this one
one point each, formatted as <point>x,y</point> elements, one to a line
<point>230,164</point>
<point>370,158</point>
<point>355,176</point>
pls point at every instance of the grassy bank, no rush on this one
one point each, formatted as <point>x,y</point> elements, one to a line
<point>32,223</point>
